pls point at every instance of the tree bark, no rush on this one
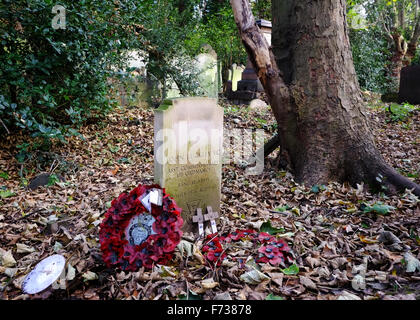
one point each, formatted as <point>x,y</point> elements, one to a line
<point>319,108</point>
<point>414,42</point>
<point>398,60</point>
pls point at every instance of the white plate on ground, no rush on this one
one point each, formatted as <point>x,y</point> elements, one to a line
<point>44,274</point>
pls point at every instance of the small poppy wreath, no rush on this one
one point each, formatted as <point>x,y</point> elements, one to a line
<point>132,237</point>
<point>272,250</point>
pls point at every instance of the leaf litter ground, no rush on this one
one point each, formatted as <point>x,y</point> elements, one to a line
<point>348,243</point>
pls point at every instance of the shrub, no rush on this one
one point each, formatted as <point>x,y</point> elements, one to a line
<point>370,55</point>
<point>52,80</point>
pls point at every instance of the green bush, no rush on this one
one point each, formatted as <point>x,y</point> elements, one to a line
<point>400,112</point>
<point>52,80</point>
<point>416,59</point>
<point>219,30</point>
<point>370,56</point>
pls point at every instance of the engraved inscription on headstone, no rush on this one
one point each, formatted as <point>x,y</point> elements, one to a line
<point>188,153</point>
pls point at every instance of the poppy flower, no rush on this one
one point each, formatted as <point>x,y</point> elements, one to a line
<point>241,234</point>
<point>131,237</point>
<point>273,251</point>
<point>264,237</point>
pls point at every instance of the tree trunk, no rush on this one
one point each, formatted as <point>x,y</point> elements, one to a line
<point>398,60</point>
<point>316,100</point>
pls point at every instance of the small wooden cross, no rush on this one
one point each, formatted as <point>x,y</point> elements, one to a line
<point>200,220</point>
<point>212,216</point>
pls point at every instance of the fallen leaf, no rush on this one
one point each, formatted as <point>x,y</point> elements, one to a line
<point>277,278</point>
<point>367,240</point>
<point>358,283</point>
<point>345,295</point>
<point>254,277</point>
<point>115,171</point>
<point>410,296</point>
<point>209,283</point>
<point>71,272</point>
<point>57,246</point>
<point>198,255</point>
<point>249,203</point>
<point>308,283</point>
<point>23,248</point>
<point>257,296</point>
<point>255,225</point>
<point>222,296</point>
<point>313,262</point>
<point>90,276</point>
<point>412,262</point>
<point>6,258</point>
<point>185,246</point>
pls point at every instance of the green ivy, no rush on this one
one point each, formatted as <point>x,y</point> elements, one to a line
<point>54,80</point>
<point>51,81</point>
<point>370,55</point>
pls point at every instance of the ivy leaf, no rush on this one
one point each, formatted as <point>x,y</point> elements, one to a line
<point>6,194</point>
<point>316,188</point>
<point>292,270</point>
<point>283,208</point>
<point>273,297</point>
<point>4,175</point>
<point>268,228</point>
<point>378,208</point>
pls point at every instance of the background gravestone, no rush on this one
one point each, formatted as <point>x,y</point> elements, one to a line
<point>192,185</point>
<point>235,75</point>
<point>410,85</point>
<point>209,72</point>
<point>249,86</point>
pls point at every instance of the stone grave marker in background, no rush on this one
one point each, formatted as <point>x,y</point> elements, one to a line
<point>188,142</point>
<point>410,85</point>
<point>249,86</point>
<point>235,75</point>
<point>208,72</point>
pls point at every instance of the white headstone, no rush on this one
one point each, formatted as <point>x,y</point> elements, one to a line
<point>208,72</point>
<point>188,143</point>
<point>236,75</point>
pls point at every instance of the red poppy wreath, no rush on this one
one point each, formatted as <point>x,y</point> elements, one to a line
<point>272,250</point>
<point>134,234</point>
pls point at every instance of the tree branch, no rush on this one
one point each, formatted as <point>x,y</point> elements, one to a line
<point>416,33</point>
<point>263,60</point>
<point>257,48</point>
<point>401,14</point>
<point>1,121</point>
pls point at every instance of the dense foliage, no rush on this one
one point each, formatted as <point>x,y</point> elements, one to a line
<point>385,37</point>
<point>370,56</point>
<point>51,80</point>
<point>54,79</point>
<point>416,59</point>
<point>217,27</point>
<point>166,25</point>
<point>219,30</point>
